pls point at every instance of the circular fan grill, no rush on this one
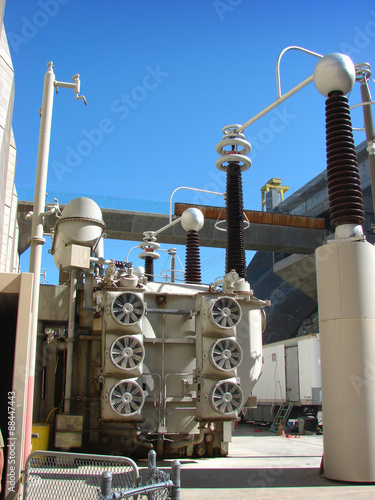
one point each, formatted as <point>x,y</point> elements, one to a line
<point>226,312</point>
<point>127,308</point>
<point>225,354</point>
<point>126,397</point>
<point>126,352</point>
<point>226,397</point>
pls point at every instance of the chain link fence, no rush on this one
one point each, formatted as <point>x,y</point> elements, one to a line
<point>72,476</point>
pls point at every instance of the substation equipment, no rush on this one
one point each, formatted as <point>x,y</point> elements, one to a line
<point>133,363</point>
<point>171,364</point>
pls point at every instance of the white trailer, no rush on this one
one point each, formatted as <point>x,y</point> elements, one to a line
<point>290,374</point>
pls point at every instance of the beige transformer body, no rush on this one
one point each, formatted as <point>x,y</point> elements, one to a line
<point>165,365</point>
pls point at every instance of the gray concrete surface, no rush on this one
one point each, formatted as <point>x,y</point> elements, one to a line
<point>264,465</point>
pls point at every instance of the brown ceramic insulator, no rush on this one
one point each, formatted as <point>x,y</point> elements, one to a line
<point>235,250</point>
<point>193,261</point>
<point>344,187</point>
<point>149,268</point>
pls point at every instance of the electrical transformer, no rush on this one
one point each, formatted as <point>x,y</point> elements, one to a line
<point>161,365</point>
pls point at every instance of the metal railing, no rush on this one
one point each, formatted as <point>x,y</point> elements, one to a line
<point>80,476</point>
<point>159,485</point>
<point>51,474</point>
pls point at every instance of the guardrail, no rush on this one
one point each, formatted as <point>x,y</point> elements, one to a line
<point>50,474</point>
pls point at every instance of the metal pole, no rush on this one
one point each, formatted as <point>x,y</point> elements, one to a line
<point>70,346</point>
<point>369,128</point>
<point>176,478</point>
<point>36,240</point>
<point>106,485</point>
<point>278,101</point>
<point>151,464</point>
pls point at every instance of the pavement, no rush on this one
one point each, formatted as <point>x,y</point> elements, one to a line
<point>261,464</point>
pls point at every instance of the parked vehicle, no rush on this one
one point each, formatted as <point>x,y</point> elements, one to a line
<point>290,377</point>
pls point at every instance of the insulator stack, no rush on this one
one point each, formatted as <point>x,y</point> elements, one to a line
<point>344,187</point>
<point>235,249</point>
<point>149,245</point>
<point>233,148</point>
<point>149,268</point>
<point>192,263</point>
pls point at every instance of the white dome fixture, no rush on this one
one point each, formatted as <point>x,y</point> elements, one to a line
<point>192,219</point>
<point>334,72</point>
<point>81,223</point>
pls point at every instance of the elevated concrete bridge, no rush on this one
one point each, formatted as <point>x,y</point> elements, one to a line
<point>268,231</point>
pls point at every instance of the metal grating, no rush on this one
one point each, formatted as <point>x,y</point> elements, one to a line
<point>71,476</point>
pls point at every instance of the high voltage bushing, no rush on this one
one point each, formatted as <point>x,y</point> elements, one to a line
<point>233,149</point>
<point>149,268</point>
<point>344,186</point>
<point>235,255</point>
<point>192,263</point>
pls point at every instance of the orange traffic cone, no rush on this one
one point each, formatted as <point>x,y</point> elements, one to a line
<point>281,428</point>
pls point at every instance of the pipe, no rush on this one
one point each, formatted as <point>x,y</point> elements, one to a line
<point>278,101</point>
<point>292,47</point>
<point>191,189</point>
<point>69,350</point>
<point>369,128</point>
<point>36,239</point>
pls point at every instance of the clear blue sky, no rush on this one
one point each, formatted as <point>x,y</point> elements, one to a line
<point>162,78</point>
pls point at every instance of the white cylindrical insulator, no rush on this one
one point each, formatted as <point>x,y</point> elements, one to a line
<point>128,280</point>
<point>139,271</point>
<point>153,255</point>
<point>149,244</point>
<point>192,219</point>
<point>346,298</point>
<point>334,72</point>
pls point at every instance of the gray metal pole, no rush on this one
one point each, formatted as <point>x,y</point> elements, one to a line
<point>151,462</point>
<point>369,128</point>
<point>70,339</point>
<point>176,478</point>
<point>36,239</point>
<point>106,485</point>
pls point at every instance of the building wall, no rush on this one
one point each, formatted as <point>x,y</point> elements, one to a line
<point>9,261</point>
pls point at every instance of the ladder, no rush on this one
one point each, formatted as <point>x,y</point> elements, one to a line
<point>282,414</point>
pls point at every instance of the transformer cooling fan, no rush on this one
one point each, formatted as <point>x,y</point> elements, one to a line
<point>127,308</point>
<point>126,352</point>
<point>225,354</point>
<point>126,397</point>
<point>226,397</point>
<point>226,312</point>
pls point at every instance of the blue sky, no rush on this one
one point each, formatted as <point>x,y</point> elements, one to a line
<point>162,78</point>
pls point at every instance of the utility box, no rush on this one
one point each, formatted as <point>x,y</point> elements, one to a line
<point>68,431</point>
<point>76,257</point>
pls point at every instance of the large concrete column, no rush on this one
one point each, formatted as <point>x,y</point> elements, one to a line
<point>346,295</point>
